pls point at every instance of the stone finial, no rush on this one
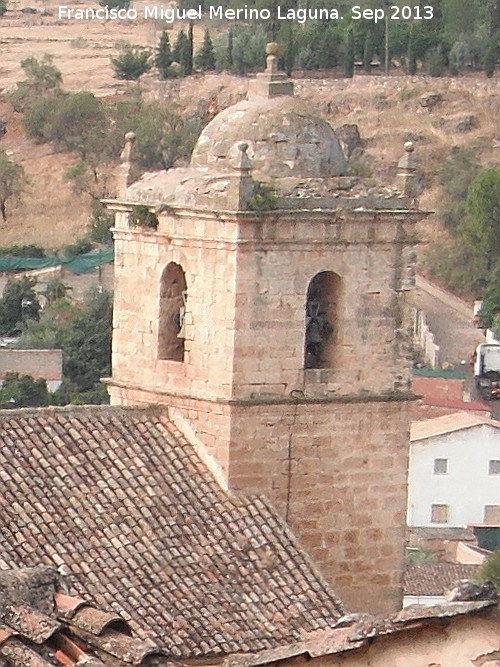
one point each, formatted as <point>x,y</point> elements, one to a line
<point>270,83</point>
<point>241,185</point>
<point>407,178</point>
<point>272,52</point>
<point>239,157</point>
<point>408,161</point>
<point>127,167</point>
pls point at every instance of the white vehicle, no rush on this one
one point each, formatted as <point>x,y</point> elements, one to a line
<point>487,370</point>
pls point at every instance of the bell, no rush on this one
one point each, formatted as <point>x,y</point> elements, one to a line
<point>182,323</point>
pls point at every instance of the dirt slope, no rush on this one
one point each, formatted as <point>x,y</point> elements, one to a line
<point>388,111</point>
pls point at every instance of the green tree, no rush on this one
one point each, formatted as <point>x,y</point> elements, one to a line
<point>39,117</point>
<point>368,51</point>
<point>132,63</point>
<point>349,53</point>
<point>45,332</point>
<point>491,305</point>
<point>435,62</point>
<point>163,58</point>
<point>19,304</point>
<point>189,51</point>
<point>55,290</point>
<point>183,52</point>
<point>455,177</point>
<point>3,7</point>
<point>23,391</point>
<point>79,124</point>
<point>490,58</point>
<point>164,136</point>
<point>115,4</point>
<point>205,58</point>
<point>491,569</point>
<point>229,50</point>
<point>100,223</point>
<point>411,55</point>
<point>12,181</point>
<point>86,343</point>
<point>289,51</point>
<point>42,78</point>
<point>481,227</point>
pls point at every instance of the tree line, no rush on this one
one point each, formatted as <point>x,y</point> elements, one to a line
<point>461,35</point>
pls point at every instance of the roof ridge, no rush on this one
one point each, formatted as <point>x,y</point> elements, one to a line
<point>153,409</point>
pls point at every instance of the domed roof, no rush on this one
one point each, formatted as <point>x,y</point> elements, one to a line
<point>283,140</point>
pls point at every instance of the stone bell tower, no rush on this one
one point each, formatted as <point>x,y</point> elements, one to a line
<point>268,312</point>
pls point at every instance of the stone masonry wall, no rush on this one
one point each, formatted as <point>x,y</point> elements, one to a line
<point>337,473</point>
<point>328,447</point>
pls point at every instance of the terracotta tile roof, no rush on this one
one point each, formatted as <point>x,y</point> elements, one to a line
<point>40,627</point>
<point>457,421</point>
<point>119,499</point>
<point>435,578</point>
<point>359,631</point>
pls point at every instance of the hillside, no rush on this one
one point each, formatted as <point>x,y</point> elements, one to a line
<point>388,111</point>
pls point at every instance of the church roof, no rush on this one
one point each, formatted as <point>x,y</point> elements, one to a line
<point>42,626</point>
<point>284,139</point>
<point>119,500</point>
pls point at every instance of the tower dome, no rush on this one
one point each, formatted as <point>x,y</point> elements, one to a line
<point>283,137</point>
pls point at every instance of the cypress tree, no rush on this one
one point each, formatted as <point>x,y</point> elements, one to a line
<point>289,55</point>
<point>349,54</point>
<point>189,50</point>
<point>490,59</point>
<point>179,46</point>
<point>229,53</point>
<point>205,58</point>
<point>411,57</point>
<point>163,58</point>
<point>368,52</point>
<point>182,53</point>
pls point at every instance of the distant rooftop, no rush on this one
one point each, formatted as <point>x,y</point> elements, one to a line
<point>422,579</point>
<point>457,421</point>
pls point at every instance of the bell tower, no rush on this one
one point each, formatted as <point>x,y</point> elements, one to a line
<point>268,312</point>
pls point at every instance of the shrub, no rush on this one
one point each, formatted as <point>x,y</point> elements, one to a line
<point>141,216</point>
<point>30,250</point>
<point>79,247</point>
<point>22,391</point>
<point>491,569</point>
<point>263,198</point>
<point>132,63</point>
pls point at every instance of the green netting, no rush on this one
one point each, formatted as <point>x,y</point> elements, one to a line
<point>458,372</point>
<point>79,264</point>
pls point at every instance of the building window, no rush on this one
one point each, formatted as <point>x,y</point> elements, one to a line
<point>439,513</point>
<point>322,310</point>
<point>440,466</point>
<point>492,514</point>
<point>173,297</point>
<point>494,467</point>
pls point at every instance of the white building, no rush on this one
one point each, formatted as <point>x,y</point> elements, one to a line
<point>454,476</point>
